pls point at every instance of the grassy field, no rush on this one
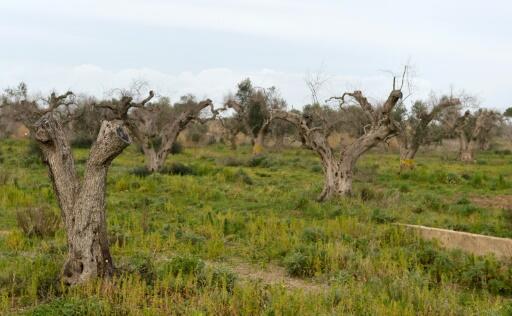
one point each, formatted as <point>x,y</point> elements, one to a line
<point>223,233</point>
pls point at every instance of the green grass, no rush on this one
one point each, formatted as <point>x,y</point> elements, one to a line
<point>175,236</point>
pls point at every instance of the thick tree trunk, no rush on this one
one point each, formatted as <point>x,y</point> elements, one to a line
<point>337,179</point>
<point>258,144</point>
<point>155,160</point>
<point>407,156</point>
<point>279,142</point>
<point>89,254</point>
<point>82,205</point>
<point>232,142</point>
<point>467,156</point>
<point>466,149</point>
<point>151,158</point>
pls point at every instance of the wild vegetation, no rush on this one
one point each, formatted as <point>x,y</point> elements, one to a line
<point>178,239</point>
<point>93,224</point>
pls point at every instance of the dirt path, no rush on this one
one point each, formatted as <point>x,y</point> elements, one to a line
<point>273,275</point>
<point>500,201</point>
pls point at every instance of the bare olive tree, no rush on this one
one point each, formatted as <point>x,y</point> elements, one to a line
<point>156,126</point>
<point>339,167</point>
<point>472,130</point>
<point>232,126</point>
<point>416,126</point>
<point>82,201</point>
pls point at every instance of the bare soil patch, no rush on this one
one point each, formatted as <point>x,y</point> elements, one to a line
<point>500,201</point>
<point>274,275</point>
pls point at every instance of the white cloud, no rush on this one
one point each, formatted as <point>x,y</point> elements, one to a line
<point>213,83</point>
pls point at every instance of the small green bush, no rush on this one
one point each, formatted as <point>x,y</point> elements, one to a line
<point>140,172</point>
<point>380,218</point>
<point>218,277</point>
<point>313,234</point>
<point>260,161</point>
<point>503,152</point>
<point>176,148</point>
<point>178,169</point>
<point>238,176</point>
<point>306,261</point>
<point>142,264</point>
<point>232,162</point>
<point>70,307</point>
<point>432,202</point>
<point>185,265</point>
<point>404,188</point>
<point>367,194</point>
<point>189,237</point>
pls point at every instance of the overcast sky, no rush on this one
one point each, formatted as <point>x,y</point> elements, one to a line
<point>206,47</point>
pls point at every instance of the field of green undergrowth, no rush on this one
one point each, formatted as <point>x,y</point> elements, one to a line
<point>177,236</point>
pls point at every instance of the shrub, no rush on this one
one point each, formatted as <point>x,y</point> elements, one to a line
<point>142,264</point>
<point>379,217</point>
<point>432,202</point>
<point>70,306</point>
<point>306,261</point>
<point>468,209</point>
<point>187,265</point>
<point>467,270</point>
<point>232,162</point>
<point>177,148</point>
<point>219,277</point>
<point>452,178</point>
<point>463,201</point>
<point>231,227</point>
<point>190,237</point>
<point>507,216</point>
<point>38,222</point>
<point>367,194</point>
<point>260,161</point>
<point>313,234</point>
<point>117,236</point>
<point>316,168</point>
<point>503,152</point>
<point>178,169</point>
<point>239,176</point>
<point>404,188</point>
<point>477,180</point>
<point>500,183</point>
<point>140,172</point>
<point>418,210</point>
<point>5,176</point>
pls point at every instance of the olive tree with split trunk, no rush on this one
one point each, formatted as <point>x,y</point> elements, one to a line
<point>339,167</point>
<point>82,201</point>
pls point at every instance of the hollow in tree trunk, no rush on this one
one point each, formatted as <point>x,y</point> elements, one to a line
<point>337,179</point>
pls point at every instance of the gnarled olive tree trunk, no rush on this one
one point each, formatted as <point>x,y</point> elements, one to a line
<point>466,149</point>
<point>144,127</point>
<point>471,134</point>
<point>339,169</point>
<point>82,201</point>
<point>415,130</point>
<point>258,142</point>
